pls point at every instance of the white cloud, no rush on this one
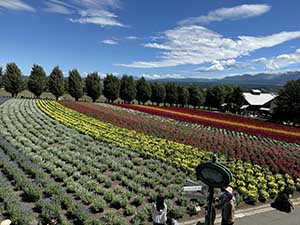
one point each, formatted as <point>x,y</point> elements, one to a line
<point>56,6</point>
<point>219,65</point>
<point>132,38</point>
<point>194,45</point>
<point>97,12</point>
<point>234,13</point>
<point>158,46</point>
<point>98,17</point>
<point>16,5</point>
<point>163,76</point>
<point>109,42</point>
<point>280,61</point>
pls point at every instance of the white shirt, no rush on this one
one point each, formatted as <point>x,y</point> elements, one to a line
<point>159,216</point>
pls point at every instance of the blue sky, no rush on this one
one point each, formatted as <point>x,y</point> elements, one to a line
<point>156,38</point>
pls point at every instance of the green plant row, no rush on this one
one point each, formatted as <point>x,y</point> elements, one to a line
<point>69,151</point>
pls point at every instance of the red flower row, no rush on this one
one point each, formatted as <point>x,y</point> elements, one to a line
<point>219,120</point>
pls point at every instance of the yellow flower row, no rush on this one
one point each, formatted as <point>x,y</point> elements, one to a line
<point>183,156</point>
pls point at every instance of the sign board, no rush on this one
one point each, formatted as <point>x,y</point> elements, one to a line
<point>214,174</point>
<point>192,188</point>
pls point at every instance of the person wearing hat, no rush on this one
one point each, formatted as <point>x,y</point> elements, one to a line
<point>228,209</point>
<point>5,222</point>
<point>229,190</point>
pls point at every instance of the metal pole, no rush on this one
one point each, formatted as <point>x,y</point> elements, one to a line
<point>211,197</point>
<point>210,202</point>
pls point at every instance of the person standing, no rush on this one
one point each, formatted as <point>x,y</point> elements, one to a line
<point>228,209</point>
<point>159,211</point>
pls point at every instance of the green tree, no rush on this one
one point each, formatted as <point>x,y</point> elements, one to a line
<point>13,80</point>
<point>66,85</point>
<point>228,91</point>
<point>1,77</point>
<point>171,93</point>
<point>183,95</point>
<point>127,89</point>
<point>288,103</point>
<point>158,93</point>
<point>56,82</point>
<point>93,86</point>
<point>75,87</point>
<point>37,82</point>
<point>215,96</point>
<point>197,97</point>
<point>143,90</point>
<point>236,99</point>
<point>111,87</point>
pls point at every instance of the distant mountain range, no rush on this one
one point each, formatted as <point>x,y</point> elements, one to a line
<point>276,79</point>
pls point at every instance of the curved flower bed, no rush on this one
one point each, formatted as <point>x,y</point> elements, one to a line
<point>86,179</point>
<point>279,158</point>
<point>251,180</point>
<point>236,123</point>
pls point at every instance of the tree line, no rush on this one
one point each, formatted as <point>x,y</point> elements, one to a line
<point>113,88</point>
<point>128,89</point>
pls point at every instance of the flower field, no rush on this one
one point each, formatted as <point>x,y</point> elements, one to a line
<point>95,171</point>
<point>280,157</point>
<point>47,167</point>
<point>236,123</point>
<point>252,181</point>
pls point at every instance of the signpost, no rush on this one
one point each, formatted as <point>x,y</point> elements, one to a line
<point>192,188</point>
<point>214,175</point>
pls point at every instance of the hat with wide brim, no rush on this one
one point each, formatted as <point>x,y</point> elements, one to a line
<point>229,189</point>
<point>5,222</point>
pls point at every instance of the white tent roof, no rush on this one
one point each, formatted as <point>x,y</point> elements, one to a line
<point>258,99</point>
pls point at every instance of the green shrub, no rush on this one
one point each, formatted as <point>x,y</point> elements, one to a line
<point>98,204</point>
<point>129,210</point>
<point>119,202</point>
<point>140,217</point>
<point>113,219</point>
<point>48,209</point>
<point>93,221</point>
<point>273,193</point>
<point>137,200</point>
<point>182,201</point>
<point>263,195</point>
<point>176,212</point>
<point>108,196</point>
<point>32,193</point>
<point>107,183</point>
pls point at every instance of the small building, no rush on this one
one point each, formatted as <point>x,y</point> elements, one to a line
<point>257,102</point>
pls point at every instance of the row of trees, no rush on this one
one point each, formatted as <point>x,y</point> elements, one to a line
<point>128,89</point>
<point>125,88</point>
<point>38,82</point>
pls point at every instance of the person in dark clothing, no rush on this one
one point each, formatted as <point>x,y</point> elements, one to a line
<point>228,210</point>
<point>282,202</point>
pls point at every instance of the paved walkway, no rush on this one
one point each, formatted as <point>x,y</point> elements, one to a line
<point>272,218</point>
<point>261,215</point>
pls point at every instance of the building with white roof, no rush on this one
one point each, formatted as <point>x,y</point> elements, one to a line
<point>257,101</point>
